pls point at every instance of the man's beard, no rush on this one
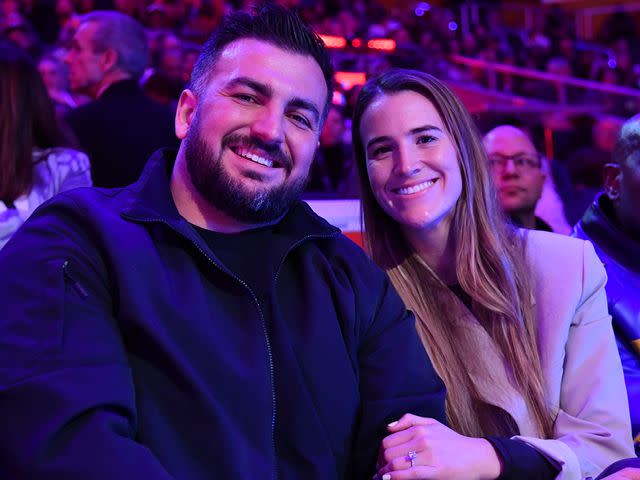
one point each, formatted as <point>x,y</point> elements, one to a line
<point>229,195</point>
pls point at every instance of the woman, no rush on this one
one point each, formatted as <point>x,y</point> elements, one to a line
<point>33,166</point>
<point>515,323</point>
<point>54,76</point>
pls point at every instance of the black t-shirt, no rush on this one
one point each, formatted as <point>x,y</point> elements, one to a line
<point>254,256</point>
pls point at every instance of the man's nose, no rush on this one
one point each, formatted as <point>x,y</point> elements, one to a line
<point>268,126</point>
<point>509,168</point>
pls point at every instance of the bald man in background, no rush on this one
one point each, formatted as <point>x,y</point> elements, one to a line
<point>516,167</point>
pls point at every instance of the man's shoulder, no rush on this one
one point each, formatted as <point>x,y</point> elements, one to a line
<point>90,203</point>
<point>334,244</point>
<point>78,115</point>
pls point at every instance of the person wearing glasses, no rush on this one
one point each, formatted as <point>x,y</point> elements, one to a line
<point>518,173</point>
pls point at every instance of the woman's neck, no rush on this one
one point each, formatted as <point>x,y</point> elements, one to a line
<point>437,247</point>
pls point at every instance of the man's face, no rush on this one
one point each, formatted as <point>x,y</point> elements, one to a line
<point>516,169</point>
<point>333,128</point>
<point>255,130</point>
<point>85,65</point>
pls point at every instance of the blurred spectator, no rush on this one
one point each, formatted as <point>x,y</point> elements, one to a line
<point>121,127</point>
<point>133,8</point>
<point>18,30</point>
<point>612,224</point>
<point>203,20</point>
<point>33,165</point>
<point>190,55</point>
<point>333,168</point>
<point>586,163</point>
<point>516,168</point>
<point>55,77</point>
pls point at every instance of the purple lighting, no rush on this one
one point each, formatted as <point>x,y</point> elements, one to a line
<point>422,8</point>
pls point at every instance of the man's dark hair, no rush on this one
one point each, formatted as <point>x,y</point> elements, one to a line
<point>269,23</point>
<point>628,141</point>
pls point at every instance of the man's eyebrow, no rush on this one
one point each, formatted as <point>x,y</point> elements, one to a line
<point>267,91</point>
<point>306,105</point>
<point>413,131</point>
<point>261,88</point>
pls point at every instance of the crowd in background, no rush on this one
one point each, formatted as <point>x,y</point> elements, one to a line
<point>425,37</point>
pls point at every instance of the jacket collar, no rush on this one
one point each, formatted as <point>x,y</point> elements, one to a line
<point>150,200</point>
<point>599,225</point>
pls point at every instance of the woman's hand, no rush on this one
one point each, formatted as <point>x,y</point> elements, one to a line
<point>437,453</point>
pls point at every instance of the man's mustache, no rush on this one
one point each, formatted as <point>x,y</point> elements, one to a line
<point>272,149</point>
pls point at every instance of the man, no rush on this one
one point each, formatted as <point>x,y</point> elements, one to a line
<point>584,166</point>
<point>121,127</point>
<point>333,170</point>
<point>204,323</point>
<point>516,168</point>
<point>612,224</point>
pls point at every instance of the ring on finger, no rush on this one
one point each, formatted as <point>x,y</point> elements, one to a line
<point>412,456</point>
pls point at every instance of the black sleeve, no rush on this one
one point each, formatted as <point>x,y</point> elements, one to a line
<point>67,398</point>
<point>396,375</point>
<point>521,461</point>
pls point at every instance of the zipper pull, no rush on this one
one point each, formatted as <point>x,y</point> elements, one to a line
<point>74,283</point>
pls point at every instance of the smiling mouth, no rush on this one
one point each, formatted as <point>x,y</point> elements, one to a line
<point>256,158</point>
<point>415,188</point>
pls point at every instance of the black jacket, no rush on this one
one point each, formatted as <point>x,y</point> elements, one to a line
<point>127,350</point>
<point>621,257</point>
<point>119,131</point>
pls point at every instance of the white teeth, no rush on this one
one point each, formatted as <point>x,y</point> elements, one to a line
<point>415,188</point>
<point>256,158</point>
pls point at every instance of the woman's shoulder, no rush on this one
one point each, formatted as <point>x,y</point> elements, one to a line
<point>59,168</point>
<point>550,246</point>
<point>537,240</point>
<point>61,158</point>
<point>562,260</point>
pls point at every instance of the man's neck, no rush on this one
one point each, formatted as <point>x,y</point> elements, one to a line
<point>524,219</point>
<point>197,210</point>
<point>109,80</point>
<point>624,223</point>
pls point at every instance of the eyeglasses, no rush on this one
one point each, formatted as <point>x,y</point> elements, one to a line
<point>523,162</point>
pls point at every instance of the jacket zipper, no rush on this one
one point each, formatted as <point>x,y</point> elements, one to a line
<point>264,328</point>
<point>74,283</point>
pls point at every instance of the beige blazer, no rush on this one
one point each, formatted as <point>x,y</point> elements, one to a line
<point>580,362</point>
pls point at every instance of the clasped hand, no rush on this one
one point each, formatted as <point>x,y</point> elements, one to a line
<point>423,448</point>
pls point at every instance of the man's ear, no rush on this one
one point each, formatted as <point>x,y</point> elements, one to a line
<point>185,112</point>
<point>109,59</point>
<point>612,178</point>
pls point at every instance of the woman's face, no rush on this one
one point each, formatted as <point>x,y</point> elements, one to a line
<point>51,75</point>
<point>412,164</point>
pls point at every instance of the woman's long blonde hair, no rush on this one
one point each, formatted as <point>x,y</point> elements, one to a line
<point>490,267</point>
